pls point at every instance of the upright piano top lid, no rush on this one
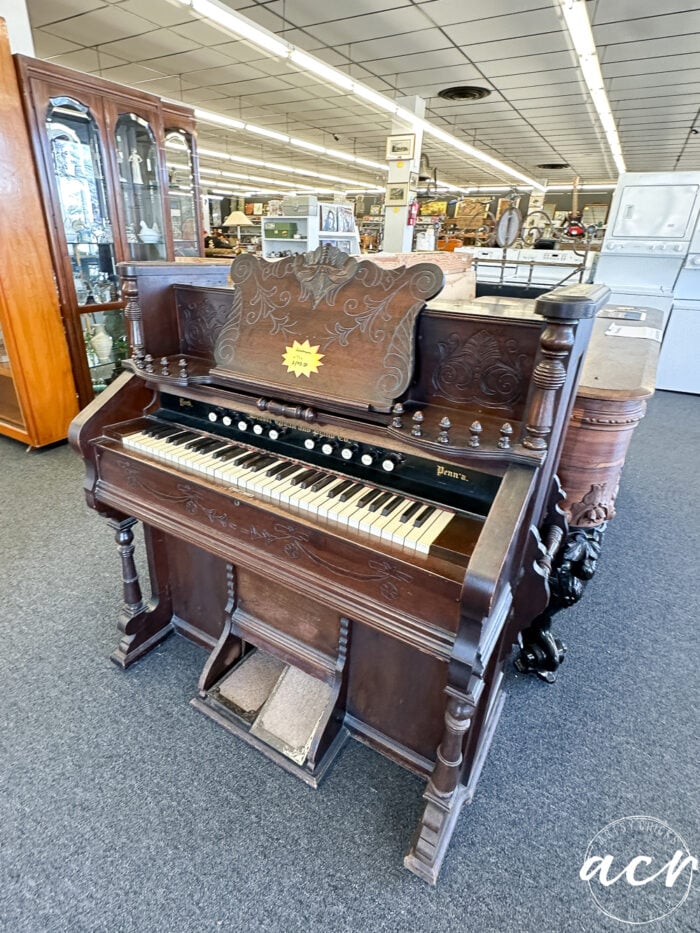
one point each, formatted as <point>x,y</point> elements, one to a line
<point>325,327</point>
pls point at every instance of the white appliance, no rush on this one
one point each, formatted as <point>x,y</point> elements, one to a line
<point>679,362</point>
<point>652,218</point>
<point>528,266</point>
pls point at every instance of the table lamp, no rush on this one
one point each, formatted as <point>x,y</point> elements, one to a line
<point>238,219</point>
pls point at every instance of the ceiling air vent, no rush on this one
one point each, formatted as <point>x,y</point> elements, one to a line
<point>464,92</point>
<point>553,165</point>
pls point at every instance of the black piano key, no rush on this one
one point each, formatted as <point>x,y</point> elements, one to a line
<point>365,500</point>
<point>228,453</point>
<point>338,488</point>
<point>209,445</point>
<point>253,462</point>
<point>287,471</point>
<point>182,439</point>
<point>162,430</point>
<point>392,505</point>
<point>423,516</point>
<point>410,512</point>
<point>321,483</point>
<point>247,459</point>
<point>300,477</point>
<point>197,444</point>
<point>379,502</point>
<point>277,468</point>
<point>307,483</point>
<point>262,464</point>
<point>183,436</point>
<point>350,492</point>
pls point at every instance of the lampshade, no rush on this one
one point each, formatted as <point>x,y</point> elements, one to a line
<point>237,219</point>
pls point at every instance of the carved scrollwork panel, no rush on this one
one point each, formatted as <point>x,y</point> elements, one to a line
<point>483,369</point>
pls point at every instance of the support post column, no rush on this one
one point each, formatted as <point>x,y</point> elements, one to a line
<point>398,236</point>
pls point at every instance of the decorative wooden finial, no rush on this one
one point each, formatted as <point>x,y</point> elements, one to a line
<point>397,411</point>
<point>148,360</point>
<point>445,425</point>
<point>417,429</point>
<point>506,432</point>
<point>182,364</point>
<point>475,430</point>
<point>164,371</point>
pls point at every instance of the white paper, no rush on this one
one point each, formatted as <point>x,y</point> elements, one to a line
<point>627,330</point>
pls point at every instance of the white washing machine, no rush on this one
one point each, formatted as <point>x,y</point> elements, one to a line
<point>679,362</point>
<point>651,222</point>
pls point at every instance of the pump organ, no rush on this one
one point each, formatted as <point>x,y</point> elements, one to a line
<point>349,501</point>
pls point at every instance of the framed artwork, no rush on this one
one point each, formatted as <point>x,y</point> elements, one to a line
<point>329,217</point>
<point>413,180</point>
<point>396,195</point>
<point>400,147</point>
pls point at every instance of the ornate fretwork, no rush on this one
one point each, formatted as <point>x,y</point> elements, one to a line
<point>483,369</point>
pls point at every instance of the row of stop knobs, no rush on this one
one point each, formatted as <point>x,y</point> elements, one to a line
<point>325,445</point>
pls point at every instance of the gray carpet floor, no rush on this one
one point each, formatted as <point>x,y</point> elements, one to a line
<point>123,809</point>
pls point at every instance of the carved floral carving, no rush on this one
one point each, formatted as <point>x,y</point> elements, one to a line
<point>594,508</point>
<point>203,316</point>
<point>483,369</point>
<point>294,542</point>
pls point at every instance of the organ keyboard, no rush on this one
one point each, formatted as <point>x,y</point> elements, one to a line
<point>348,499</point>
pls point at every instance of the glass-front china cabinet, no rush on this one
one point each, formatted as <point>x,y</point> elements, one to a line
<point>112,193</point>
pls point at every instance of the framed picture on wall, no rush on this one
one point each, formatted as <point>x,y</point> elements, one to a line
<point>396,195</point>
<point>400,147</point>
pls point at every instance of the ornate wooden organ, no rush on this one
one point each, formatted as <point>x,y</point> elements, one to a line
<point>349,501</point>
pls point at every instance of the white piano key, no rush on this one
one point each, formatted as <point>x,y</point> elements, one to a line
<point>433,531</point>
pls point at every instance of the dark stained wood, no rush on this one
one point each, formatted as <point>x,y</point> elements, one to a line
<point>40,81</point>
<point>412,645</point>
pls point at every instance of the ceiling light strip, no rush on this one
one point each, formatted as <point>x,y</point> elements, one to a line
<point>579,26</point>
<point>244,28</point>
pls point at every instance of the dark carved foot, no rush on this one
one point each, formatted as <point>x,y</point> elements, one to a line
<point>542,652</point>
<point>143,624</point>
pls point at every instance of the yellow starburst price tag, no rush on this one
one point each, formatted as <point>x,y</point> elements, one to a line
<point>302,359</point>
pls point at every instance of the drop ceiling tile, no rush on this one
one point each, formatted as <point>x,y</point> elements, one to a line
<point>47,45</point>
<point>441,57</point>
<point>222,74</point>
<point>130,73</point>
<point>202,96</point>
<point>422,40</point>
<point>193,61</point>
<point>87,60</point>
<point>106,24</point>
<point>690,60</point>
<point>42,12</point>
<point>158,12</point>
<point>356,29</point>
<point>556,78</point>
<point>308,12</point>
<point>151,45</point>
<point>650,49</point>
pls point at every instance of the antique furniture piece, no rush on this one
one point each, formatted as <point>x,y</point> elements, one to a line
<point>618,378</point>
<point>37,394</point>
<point>349,500</point>
<point>118,174</point>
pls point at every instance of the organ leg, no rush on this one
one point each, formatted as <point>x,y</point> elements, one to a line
<point>143,624</point>
<point>542,652</point>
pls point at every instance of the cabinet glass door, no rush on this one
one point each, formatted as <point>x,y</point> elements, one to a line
<point>78,169</point>
<point>181,192</point>
<point>139,185</point>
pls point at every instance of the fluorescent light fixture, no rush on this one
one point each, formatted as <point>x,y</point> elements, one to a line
<point>321,69</point>
<point>208,116</point>
<point>263,131</point>
<point>302,144</point>
<point>579,26</point>
<point>604,186</point>
<point>374,97</point>
<point>226,19</point>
